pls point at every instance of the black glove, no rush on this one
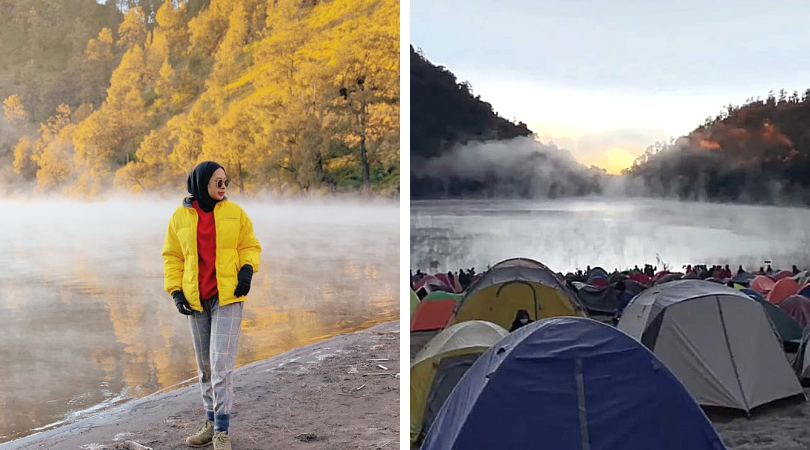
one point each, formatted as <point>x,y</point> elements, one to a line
<point>244,277</point>
<point>181,303</point>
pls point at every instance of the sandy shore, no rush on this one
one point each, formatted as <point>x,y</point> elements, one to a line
<point>327,395</point>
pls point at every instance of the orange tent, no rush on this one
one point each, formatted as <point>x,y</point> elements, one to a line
<point>762,284</point>
<point>783,289</point>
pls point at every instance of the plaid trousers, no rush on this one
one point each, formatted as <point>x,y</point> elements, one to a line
<point>215,332</point>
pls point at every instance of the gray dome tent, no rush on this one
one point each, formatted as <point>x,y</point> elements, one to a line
<point>716,340</point>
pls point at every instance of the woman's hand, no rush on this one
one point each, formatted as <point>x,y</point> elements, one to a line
<point>181,303</point>
<point>244,277</point>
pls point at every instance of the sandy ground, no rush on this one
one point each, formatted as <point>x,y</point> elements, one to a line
<point>327,395</point>
<point>783,425</point>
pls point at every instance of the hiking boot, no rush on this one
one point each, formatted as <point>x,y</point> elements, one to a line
<point>203,436</point>
<point>222,441</point>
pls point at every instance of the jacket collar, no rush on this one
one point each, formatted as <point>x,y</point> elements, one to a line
<point>187,202</point>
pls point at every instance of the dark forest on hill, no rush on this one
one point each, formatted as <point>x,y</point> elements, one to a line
<point>755,153</point>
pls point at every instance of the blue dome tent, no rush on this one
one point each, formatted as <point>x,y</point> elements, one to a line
<point>570,383</point>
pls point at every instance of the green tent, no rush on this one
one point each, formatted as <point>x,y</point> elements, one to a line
<point>414,302</point>
<point>789,330</point>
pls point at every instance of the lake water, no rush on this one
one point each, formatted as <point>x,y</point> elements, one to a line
<point>86,323</point>
<point>570,234</point>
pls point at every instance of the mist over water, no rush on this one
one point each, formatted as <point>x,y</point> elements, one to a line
<point>87,323</point>
<point>570,234</point>
<point>517,168</point>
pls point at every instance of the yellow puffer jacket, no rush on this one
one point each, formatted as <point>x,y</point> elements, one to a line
<point>236,246</point>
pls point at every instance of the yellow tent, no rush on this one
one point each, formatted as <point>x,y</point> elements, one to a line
<point>441,363</point>
<point>516,284</point>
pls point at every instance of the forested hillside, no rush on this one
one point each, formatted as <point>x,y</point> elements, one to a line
<point>289,95</point>
<point>758,152</point>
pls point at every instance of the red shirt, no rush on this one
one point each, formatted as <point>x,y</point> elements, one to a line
<point>207,252</point>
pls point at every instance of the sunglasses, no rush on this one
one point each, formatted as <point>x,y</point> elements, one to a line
<point>223,183</point>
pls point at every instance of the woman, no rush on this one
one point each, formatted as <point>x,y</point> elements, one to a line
<point>210,255</point>
<point>521,320</point>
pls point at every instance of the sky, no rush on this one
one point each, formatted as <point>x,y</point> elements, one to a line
<point>605,79</point>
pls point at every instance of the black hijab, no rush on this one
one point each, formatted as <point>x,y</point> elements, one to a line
<point>198,184</point>
<point>517,324</point>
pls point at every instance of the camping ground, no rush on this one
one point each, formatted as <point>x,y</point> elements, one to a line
<point>728,315</point>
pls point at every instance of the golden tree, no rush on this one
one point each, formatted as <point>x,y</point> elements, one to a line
<point>164,86</point>
<point>232,143</point>
<point>290,94</point>
<point>14,110</point>
<point>158,52</point>
<point>365,60</point>
<point>128,75</point>
<point>209,27</point>
<point>172,21</point>
<point>132,30</point>
<point>53,151</point>
<point>187,131</point>
<point>56,160</point>
<point>150,173</point>
<point>95,140</point>
<point>229,57</point>
<point>96,67</point>
<point>23,162</point>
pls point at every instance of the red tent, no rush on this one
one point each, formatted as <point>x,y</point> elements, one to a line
<point>432,315</point>
<point>431,283</point>
<point>781,275</point>
<point>600,282</point>
<point>783,289</point>
<point>798,307</point>
<point>421,282</point>
<point>660,275</point>
<point>446,280</point>
<point>640,278</point>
